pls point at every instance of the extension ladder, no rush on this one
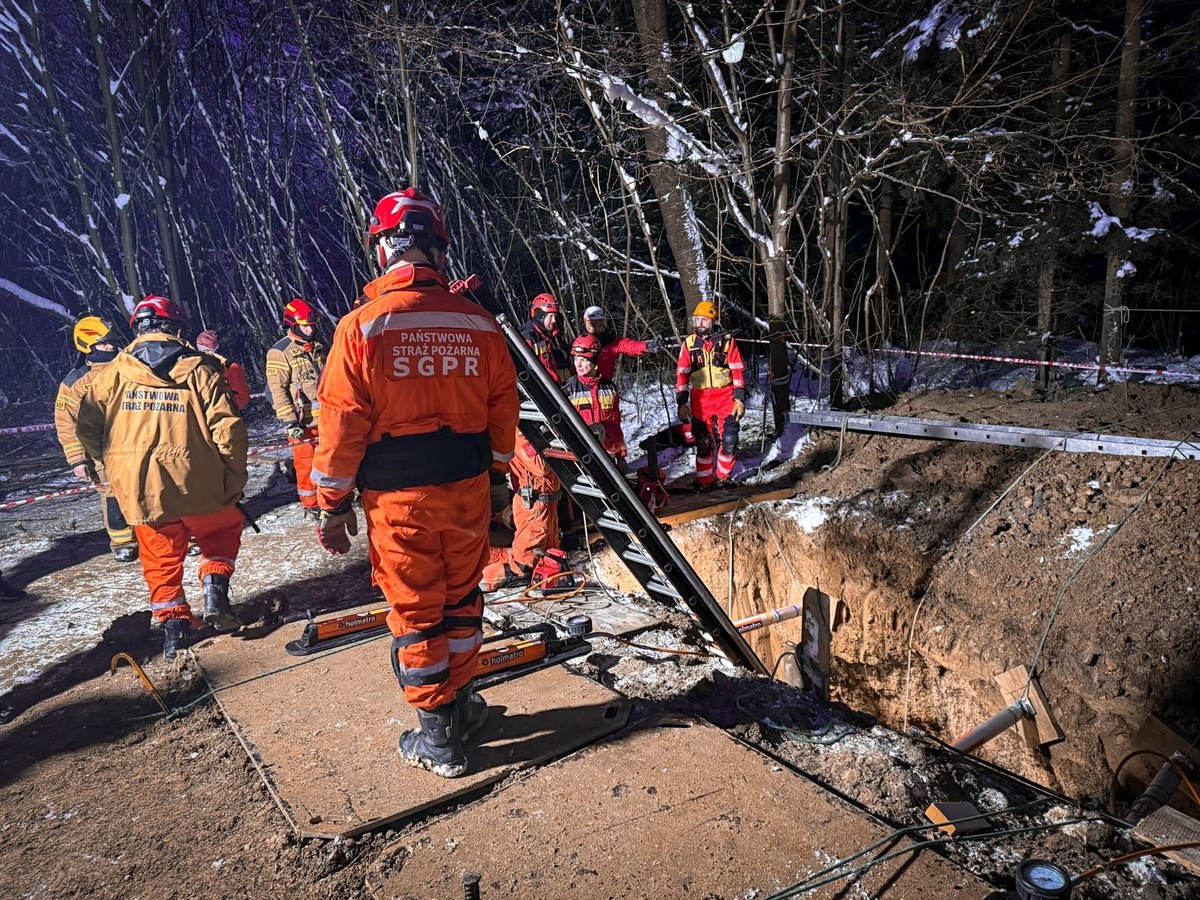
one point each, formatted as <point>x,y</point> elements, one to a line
<point>556,430</point>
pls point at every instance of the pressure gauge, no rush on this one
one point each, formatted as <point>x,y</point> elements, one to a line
<point>1041,880</point>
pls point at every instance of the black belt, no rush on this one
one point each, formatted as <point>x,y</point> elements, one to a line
<point>416,460</point>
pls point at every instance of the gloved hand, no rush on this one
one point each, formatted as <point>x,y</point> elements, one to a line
<point>739,409</point>
<point>501,499</point>
<point>685,413</point>
<point>295,432</point>
<point>336,526</point>
<point>653,345</point>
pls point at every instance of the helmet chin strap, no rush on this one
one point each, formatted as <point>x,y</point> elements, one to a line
<point>389,248</point>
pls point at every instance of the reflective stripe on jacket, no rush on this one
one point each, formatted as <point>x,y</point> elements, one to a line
<point>416,360</point>
<point>598,401</point>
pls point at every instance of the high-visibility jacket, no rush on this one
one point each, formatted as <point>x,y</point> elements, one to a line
<point>163,422</point>
<point>711,364</point>
<point>418,389</point>
<point>598,402</point>
<point>612,348</point>
<point>66,409</point>
<point>547,349</point>
<point>293,372</point>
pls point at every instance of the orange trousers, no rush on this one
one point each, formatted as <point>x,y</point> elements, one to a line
<point>302,457</point>
<point>429,546</point>
<point>536,526</point>
<point>162,548</point>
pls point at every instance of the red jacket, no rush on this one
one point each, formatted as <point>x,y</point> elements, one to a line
<point>599,401</point>
<point>612,347</point>
<point>710,374</point>
<point>236,376</point>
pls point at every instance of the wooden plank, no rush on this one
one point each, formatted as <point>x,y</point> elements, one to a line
<point>324,735</point>
<point>684,507</point>
<point>1042,729</point>
<point>1167,826</point>
<point>657,812</point>
<point>1157,734</point>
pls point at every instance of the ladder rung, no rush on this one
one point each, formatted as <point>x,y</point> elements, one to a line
<point>531,413</point>
<point>587,490</point>
<point>610,521</point>
<point>637,555</point>
<point>656,586</point>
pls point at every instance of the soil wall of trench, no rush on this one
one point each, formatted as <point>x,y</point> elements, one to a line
<point>888,533</point>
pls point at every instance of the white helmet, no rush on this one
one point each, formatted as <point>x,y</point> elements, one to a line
<point>593,313</point>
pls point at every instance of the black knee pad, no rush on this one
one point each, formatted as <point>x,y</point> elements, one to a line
<point>704,440</point>
<point>729,436</point>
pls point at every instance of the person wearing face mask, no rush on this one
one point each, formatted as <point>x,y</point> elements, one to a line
<point>541,333</point>
<point>96,340</point>
<point>293,369</point>
<point>612,345</point>
<point>711,392</point>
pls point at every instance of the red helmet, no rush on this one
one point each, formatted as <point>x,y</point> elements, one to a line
<point>587,346</point>
<point>411,213</point>
<point>543,303</point>
<point>155,311</point>
<point>298,312</point>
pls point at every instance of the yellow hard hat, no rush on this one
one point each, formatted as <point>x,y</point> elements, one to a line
<point>89,331</point>
<point>705,308</point>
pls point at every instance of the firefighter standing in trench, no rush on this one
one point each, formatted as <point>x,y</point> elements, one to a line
<point>711,391</point>
<point>293,372</point>
<point>96,340</point>
<point>418,402</point>
<point>162,420</point>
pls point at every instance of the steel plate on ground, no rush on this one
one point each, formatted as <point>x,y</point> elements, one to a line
<point>658,812</point>
<point>324,735</point>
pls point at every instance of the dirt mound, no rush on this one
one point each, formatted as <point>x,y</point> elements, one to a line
<point>903,533</point>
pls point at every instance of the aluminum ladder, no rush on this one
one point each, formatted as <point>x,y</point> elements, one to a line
<point>556,430</point>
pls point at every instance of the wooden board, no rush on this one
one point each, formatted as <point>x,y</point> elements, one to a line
<point>1167,826</point>
<point>324,735</point>
<point>1042,729</point>
<point>1157,734</point>
<point>685,507</point>
<point>657,812</point>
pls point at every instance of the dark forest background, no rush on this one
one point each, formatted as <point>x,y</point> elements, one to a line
<point>845,176</point>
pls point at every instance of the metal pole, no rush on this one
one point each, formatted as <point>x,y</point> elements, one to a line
<point>1000,722</point>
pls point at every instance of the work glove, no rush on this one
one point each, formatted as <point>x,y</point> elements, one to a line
<point>499,489</point>
<point>335,527</point>
<point>653,345</point>
<point>685,413</point>
<point>739,409</point>
<point>295,432</point>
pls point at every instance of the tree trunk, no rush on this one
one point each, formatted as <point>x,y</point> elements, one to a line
<point>679,215</point>
<point>1121,188</point>
<point>1059,66</point>
<point>834,218</point>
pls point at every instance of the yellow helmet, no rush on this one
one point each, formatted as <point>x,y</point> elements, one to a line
<point>89,331</point>
<point>705,308</point>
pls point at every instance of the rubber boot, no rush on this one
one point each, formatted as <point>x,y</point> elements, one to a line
<point>216,604</point>
<point>472,710</point>
<point>175,637</point>
<point>437,744</point>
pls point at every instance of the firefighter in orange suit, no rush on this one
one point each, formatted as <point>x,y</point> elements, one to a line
<point>95,339</point>
<point>163,421</point>
<point>710,388</point>
<point>535,519</point>
<point>418,402</point>
<point>293,371</point>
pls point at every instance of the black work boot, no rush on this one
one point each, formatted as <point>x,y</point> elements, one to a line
<point>176,633</point>
<point>216,604</point>
<point>437,744</point>
<point>472,710</point>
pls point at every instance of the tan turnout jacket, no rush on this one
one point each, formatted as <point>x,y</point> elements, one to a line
<point>66,408</point>
<point>293,370</point>
<point>163,421</point>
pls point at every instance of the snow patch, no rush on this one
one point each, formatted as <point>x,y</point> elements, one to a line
<point>734,52</point>
<point>809,514</point>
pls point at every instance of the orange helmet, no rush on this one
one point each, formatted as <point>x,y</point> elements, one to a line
<point>705,308</point>
<point>298,312</point>
<point>586,346</point>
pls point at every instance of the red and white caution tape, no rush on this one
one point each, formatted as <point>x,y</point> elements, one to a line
<point>1088,367</point>
<point>11,504</point>
<point>22,429</point>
